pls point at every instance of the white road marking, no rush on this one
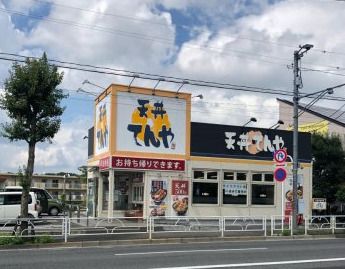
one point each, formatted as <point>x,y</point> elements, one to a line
<point>189,251</point>
<point>253,264</point>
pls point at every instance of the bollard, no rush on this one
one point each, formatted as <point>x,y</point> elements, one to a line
<point>65,221</point>
<point>222,226</point>
<point>333,224</point>
<point>78,213</point>
<point>150,228</point>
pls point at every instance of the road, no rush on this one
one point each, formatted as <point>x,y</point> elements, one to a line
<point>325,253</point>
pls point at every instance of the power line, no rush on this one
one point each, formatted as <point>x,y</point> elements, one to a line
<point>147,76</point>
<point>134,18</point>
<point>170,41</point>
<point>177,80</point>
<point>152,38</point>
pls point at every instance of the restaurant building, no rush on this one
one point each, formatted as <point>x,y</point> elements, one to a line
<point>146,158</point>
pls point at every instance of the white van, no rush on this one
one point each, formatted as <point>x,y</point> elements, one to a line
<point>10,203</point>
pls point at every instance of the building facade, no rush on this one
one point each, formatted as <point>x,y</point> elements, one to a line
<point>146,158</point>
<point>71,187</point>
<point>314,119</point>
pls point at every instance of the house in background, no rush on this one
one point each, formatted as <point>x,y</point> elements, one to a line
<point>314,119</point>
<point>57,185</point>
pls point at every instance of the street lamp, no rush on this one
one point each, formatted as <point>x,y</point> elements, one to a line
<point>276,125</point>
<point>250,120</point>
<point>86,92</point>
<point>200,96</point>
<point>88,82</point>
<point>297,83</point>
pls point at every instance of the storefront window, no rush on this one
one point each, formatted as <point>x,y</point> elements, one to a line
<point>262,177</point>
<point>262,194</point>
<point>241,176</point>
<point>262,189</point>
<point>212,175</point>
<point>268,178</point>
<point>235,193</point>
<point>256,177</point>
<point>198,174</point>
<point>138,193</point>
<point>205,187</point>
<point>229,176</point>
<point>205,193</point>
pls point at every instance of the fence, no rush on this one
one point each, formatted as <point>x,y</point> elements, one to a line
<point>84,228</point>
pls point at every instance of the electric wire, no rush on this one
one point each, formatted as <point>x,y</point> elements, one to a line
<point>154,39</point>
<point>134,18</point>
<point>180,80</point>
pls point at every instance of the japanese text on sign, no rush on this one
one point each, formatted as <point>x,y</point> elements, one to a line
<point>179,187</point>
<point>150,164</point>
<point>253,142</point>
<point>151,125</point>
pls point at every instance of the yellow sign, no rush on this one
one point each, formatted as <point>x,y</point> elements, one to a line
<point>320,127</point>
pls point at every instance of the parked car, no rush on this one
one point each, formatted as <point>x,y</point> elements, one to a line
<point>48,204</point>
<point>10,205</point>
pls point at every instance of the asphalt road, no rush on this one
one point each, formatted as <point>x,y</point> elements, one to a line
<point>326,253</point>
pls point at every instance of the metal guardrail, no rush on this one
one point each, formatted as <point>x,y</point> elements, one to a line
<point>281,225</point>
<point>65,227</point>
<point>245,224</point>
<point>53,227</point>
<point>105,226</point>
<point>186,224</point>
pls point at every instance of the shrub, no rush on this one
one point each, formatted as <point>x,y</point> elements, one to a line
<point>6,239</point>
<point>286,232</point>
<point>44,239</point>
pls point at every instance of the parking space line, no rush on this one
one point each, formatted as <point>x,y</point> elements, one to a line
<point>253,264</point>
<point>189,251</point>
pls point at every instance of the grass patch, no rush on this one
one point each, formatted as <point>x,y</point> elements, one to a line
<point>286,233</point>
<point>44,239</point>
<point>6,239</point>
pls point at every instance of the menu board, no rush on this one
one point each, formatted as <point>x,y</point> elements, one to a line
<point>180,193</point>
<point>235,189</point>
<point>158,197</point>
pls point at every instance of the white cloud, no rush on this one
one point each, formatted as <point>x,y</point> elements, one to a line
<point>67,152</point>
<point>230,49</point>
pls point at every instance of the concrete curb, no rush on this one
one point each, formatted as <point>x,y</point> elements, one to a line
<point>82,244</point>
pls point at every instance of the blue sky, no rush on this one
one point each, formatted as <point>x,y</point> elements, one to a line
<point>238,42</point>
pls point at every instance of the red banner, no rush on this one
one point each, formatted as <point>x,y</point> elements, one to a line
<point>147,164</point>
<point>104,163</point>
<point>179,187</point>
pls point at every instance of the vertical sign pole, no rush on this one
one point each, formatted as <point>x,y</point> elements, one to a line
<point>283,205</point>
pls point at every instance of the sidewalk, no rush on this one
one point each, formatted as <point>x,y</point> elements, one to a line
<point>100,243</point>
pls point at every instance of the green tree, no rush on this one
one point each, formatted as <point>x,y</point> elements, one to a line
<point>328,167</point>
<point>340,194</point>
<point>33,104</point>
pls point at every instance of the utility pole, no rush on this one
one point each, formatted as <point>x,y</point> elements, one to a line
<point>296,84</point>
<point>297,81</point>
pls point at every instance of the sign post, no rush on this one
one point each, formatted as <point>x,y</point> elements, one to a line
<point>319,203</point>
<point>280,172</point>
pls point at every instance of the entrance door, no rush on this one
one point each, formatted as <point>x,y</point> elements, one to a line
<point>128,192</point>
<point>121,192</point>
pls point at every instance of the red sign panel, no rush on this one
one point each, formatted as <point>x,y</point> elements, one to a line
<point>280,155</point>
<point>104,163</point>
<point>147,164</point>
<point>179,187</point>
<point>280,174</point>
